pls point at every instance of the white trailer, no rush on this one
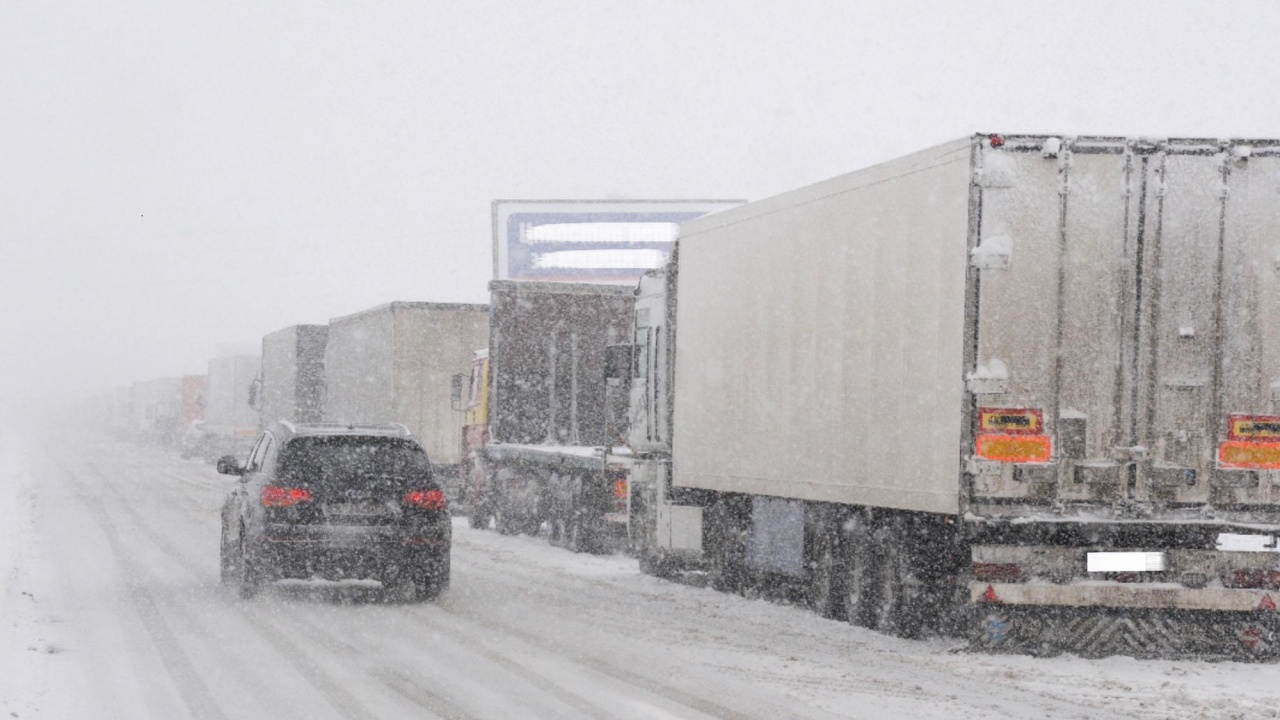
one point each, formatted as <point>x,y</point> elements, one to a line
<point>230,412</point>
<point>293,374</point>
<point>1025,383</point>
<point>395,364</point>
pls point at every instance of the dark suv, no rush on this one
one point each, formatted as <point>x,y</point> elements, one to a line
<point>335,502</point>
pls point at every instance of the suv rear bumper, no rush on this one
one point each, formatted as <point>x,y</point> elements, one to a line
<point>349,553</point>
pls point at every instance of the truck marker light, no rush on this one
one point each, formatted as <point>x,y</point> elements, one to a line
<point>1249,455</point>
<point>995,140</point>
<point>1125,562</point>
<point>620,488</point>
<point>1267,603</point>
<point>1015,448</point>
<point>1011,421</point>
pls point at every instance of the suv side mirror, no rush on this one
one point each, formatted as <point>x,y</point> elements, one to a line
<point>617,362</point>
<point>228,465</point>
<point>455,391</point>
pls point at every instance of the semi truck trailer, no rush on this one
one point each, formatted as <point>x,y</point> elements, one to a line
<point>395,363</point>
<point>230,411</point>
<point>1021,387</point>
<point>543,428</point>
<point>292,382</point>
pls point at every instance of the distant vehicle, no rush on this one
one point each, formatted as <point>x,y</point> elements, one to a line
<point>542,434</point>
<point>195,442</point>
<point>335,502</point>
<point>230,416</point>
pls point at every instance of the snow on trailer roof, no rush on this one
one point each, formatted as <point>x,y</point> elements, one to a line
<point>559,288</point>
<point>1240,148</point>
<point>399,305</point>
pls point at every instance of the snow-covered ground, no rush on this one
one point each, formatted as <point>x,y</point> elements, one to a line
<point>111,608</point>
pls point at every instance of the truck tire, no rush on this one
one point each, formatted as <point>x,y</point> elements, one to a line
<point>577,538</point>
<point>478,517</point>
<point>828,574</point>
<point>859,585</point>
<point>728,552</point>
<point>898,586</point>
<point>503,521</point>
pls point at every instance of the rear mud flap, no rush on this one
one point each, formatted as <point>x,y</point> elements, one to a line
<point>1099,632</point>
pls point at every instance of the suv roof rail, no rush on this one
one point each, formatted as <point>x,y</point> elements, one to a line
<point>397,428</point>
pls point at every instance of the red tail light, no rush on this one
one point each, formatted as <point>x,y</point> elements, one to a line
<point>1269,579</point>
<point>427,499</point>
<point>997,572</point>
<point>273,496</point>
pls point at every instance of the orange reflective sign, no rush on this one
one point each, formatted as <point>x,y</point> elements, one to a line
<point>1253,427</point>
<point>1015,448</point>
<point>1242,454</point>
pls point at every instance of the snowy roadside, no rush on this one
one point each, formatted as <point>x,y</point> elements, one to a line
<point>853,672</point>
<point>109,558</point>
<point>24,652</point>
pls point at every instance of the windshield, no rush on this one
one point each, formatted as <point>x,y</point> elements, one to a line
<point>346,460</point>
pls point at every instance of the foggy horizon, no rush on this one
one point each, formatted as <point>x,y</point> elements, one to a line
<point>177,179</point>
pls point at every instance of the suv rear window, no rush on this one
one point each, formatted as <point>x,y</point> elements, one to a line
<point>348,461</point>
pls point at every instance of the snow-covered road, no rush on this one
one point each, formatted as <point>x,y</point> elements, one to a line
<point>111,608</point>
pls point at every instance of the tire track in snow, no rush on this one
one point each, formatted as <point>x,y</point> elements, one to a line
<point>342,701</point>
<point>182,671</point>
<point>329,686</point>
<point>405,687</point>
<point>433,702</point>
<point>945,686</point>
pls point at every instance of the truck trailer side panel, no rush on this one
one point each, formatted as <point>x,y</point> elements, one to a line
<point>293,374</point>
<point>431,343</point>
<point>821,339</point>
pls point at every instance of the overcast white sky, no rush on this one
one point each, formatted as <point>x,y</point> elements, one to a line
<point>175,176</point>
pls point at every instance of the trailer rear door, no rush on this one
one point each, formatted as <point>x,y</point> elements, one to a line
<point>1127,343</point>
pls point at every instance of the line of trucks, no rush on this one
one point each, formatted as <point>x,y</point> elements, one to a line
<point>1020,388</point>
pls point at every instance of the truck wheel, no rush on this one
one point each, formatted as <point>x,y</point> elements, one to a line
<point>728,557</point>
<point>826,591</point>
<point>503,522</point>
<point>478,517</point>
<point>576,536</point>
<point>859,585</point>
<point>897,611</point>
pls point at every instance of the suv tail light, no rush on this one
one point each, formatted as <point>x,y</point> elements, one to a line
<point>427,499</point>
<point>273,496</point>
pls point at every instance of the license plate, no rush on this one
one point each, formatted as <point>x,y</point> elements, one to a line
<point>353,509</point>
